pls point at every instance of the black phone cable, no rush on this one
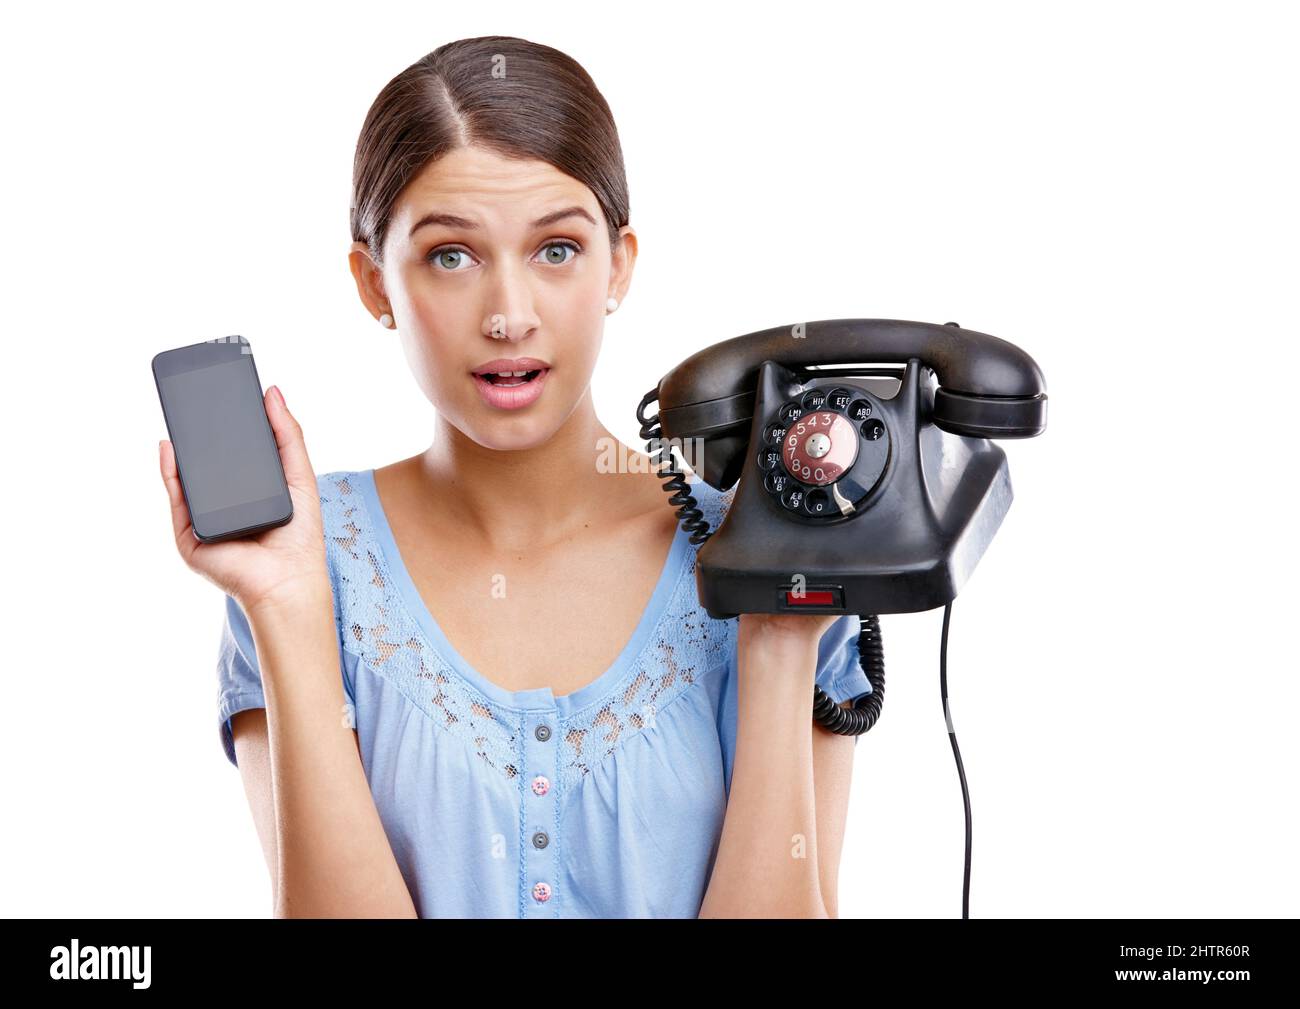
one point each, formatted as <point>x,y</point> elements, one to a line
<point>961,770</point>
<point>689,514</point>
<point>865,711</point>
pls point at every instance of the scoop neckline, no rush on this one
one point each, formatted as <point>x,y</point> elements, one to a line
<point>538,697</point>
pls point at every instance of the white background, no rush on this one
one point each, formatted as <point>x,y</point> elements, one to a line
<point>1110,186</point>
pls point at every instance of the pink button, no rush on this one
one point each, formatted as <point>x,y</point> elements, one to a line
<point>541,892</point>
<point>541,785</point>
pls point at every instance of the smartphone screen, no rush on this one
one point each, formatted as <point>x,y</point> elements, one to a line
<point>226,456</point>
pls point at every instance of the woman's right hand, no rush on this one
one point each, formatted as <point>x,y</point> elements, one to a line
<point>273,565</point>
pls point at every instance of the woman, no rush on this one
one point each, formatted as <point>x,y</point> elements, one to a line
<point>592,744</point>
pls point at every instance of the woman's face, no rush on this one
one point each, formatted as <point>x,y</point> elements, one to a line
<point>490,258</point>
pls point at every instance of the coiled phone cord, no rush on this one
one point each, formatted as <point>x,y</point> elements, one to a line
<point>866,709</point>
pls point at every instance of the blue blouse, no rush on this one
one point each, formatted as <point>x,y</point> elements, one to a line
<point>606,802</point>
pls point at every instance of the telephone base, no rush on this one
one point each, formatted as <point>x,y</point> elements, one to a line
<point>909,545</point>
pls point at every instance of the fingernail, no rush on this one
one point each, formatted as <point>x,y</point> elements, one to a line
<point>278,394</point>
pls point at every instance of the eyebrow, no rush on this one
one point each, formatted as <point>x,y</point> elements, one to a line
<point>454,221</point>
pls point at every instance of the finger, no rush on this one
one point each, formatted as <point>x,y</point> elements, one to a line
<point>289,439</point>
<point>180,513</point>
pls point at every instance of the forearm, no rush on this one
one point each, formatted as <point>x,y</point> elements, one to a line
<point>333,857</point>
<point>767,863</point>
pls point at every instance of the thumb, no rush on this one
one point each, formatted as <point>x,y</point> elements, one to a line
<point>289,439</point>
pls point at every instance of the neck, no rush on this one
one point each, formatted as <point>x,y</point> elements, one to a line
<point>528,498</point>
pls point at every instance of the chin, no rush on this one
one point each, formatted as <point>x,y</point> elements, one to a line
<point>520,441</point>
<point>508,432</point>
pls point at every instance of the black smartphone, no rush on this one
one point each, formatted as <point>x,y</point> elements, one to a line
<point>226,456</point>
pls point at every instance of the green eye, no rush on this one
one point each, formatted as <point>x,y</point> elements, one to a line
<point>554,252</point>
<point>449,259</point>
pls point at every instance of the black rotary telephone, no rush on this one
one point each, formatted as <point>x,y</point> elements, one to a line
<point>864,488</point>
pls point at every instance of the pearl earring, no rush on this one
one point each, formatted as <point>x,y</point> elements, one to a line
<point>386,321</point>
<point>611,304</point>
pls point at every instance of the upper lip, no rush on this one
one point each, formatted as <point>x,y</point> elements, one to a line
<point>511,364</point>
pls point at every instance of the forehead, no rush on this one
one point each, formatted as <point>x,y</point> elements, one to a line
<point>497,191</point>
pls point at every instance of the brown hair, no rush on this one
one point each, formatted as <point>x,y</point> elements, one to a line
<point>518,98</point>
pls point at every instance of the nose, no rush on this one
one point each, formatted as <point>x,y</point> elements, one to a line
<point>510,311</point>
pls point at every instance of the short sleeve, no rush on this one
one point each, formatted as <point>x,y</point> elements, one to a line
<point>839,668</point>
<point>239,679</point>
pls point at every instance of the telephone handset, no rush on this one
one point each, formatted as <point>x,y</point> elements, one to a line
<point>988,388</point>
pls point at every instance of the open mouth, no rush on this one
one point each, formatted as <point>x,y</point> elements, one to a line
<point>510,379</point>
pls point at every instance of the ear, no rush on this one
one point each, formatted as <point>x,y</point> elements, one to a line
<point>623,261</point>
<point>370,280</point>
